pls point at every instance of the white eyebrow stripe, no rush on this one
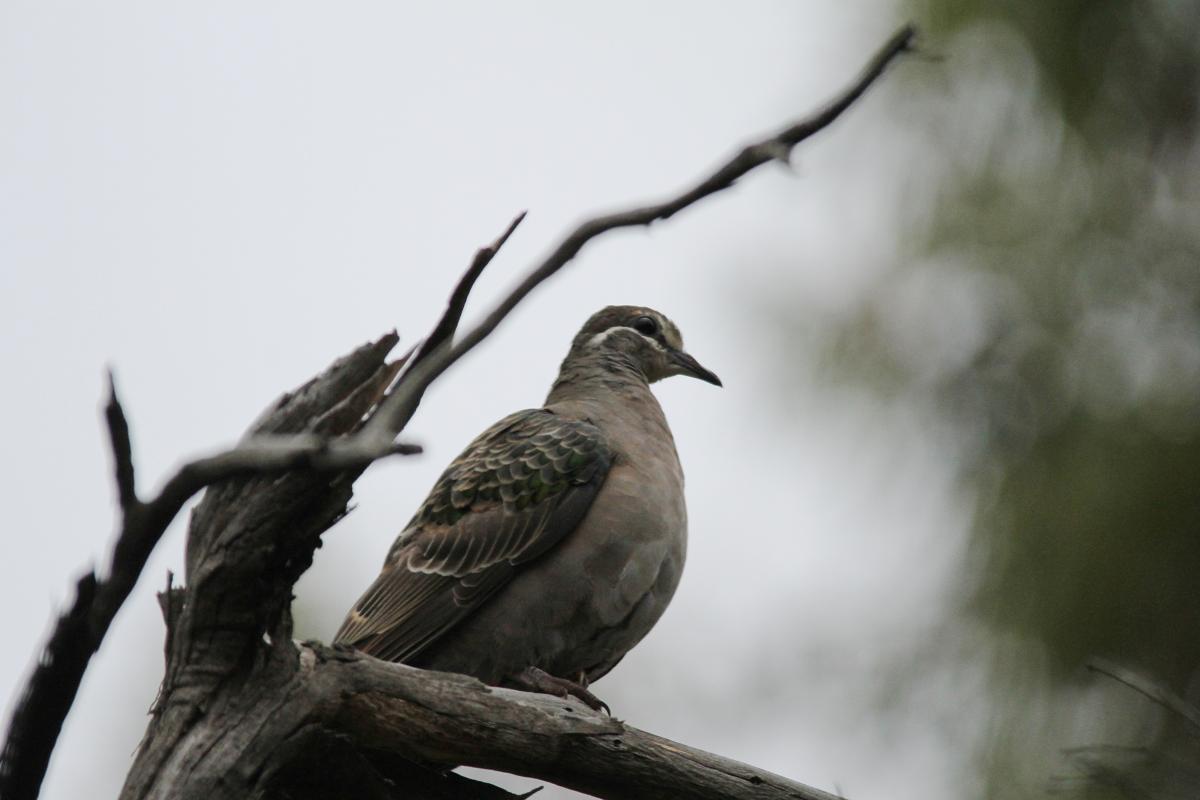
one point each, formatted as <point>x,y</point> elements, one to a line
<point>599,338</point>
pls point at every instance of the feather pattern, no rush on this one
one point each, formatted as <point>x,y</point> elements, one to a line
<point>514,493</point>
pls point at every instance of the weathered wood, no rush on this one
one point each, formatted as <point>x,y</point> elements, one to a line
<point>320,704</point>
<point>444,718</point>
<point>249,539</point>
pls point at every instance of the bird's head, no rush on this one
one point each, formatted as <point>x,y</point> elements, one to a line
<point>642,337</point>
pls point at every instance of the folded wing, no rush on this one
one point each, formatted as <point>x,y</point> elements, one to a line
<point>513,494</point>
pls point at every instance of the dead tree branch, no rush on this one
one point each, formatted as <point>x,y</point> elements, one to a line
<point>241,705</point>
<point>440,718</point>
<point>443,718</point>
<point>79,631</point>
<point>402,404</point>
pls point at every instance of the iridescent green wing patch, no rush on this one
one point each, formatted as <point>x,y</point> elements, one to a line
<point>513,494</point>
<point>517,463</point>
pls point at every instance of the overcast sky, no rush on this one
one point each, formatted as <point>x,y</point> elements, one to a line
<point>215,200</point>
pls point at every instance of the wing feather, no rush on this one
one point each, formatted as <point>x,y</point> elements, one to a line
<point>513,494</point>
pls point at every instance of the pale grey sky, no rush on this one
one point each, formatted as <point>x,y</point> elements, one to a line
<point>218,199</point>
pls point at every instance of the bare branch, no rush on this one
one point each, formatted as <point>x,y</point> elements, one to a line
<point>398,408</point>
<point>78,633</point>
<point>1159,694</point>
<point>439,720</point>
<point>48,696</point>
<point>118,433</point>
<point>266,454</point>
<point>453,719</point>
<point>443,332</point>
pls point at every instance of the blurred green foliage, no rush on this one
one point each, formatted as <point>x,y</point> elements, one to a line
<point>1110,66</point>
<point>1048,303</point>
<point>1087,386</point>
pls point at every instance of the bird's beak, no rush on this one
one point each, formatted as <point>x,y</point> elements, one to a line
<point>690,366</point>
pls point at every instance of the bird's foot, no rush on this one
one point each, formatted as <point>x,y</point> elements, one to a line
<point>533,679</point>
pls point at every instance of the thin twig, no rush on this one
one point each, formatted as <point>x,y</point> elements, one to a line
<point>38,717</point>
<point>78,633</point>
<point>118,432</point>
<point>401,404</point>
<point>50,691</point>
<point>1159,694</point>
<point>444,331</point>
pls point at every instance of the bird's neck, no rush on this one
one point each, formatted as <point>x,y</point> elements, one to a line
<point>613,393</point>
<point>598,375</point>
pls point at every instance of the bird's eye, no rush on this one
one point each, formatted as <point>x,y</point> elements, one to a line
<point>646,326</point>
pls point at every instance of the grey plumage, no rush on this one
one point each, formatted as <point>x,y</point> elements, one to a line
<point>556,539</point>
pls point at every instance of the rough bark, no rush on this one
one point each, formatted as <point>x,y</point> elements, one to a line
<point>339,708</point>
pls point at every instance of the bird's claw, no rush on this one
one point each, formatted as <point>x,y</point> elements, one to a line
<point>533,679</point>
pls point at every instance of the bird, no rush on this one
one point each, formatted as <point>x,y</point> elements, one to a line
<point>554,542</point>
